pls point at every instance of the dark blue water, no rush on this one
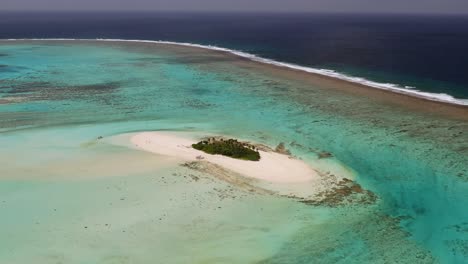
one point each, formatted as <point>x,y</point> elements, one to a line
<point>426,52</point>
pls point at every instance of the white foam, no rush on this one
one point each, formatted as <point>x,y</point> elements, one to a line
<point>408,90</point>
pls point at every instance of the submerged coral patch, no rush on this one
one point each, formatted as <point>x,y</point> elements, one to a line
<point>345,192</point>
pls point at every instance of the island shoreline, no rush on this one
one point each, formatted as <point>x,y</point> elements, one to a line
<point>272,166</point>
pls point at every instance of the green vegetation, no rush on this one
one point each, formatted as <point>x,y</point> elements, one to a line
<point>230,147</point>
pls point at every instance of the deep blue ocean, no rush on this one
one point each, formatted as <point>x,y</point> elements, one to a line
<point>425,52</point>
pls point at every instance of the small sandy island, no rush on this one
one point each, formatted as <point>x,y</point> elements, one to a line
<point>324,182</point>
<point>272,166</point>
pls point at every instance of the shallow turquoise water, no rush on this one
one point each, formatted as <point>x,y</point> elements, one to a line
<point>60,186</point>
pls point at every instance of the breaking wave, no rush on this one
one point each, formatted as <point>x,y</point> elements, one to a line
<point>412,91</point>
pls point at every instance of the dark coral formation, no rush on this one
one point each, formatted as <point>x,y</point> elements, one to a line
<point>345,192</point>
<point>381,235</point>
<point>324,155</point>
<point>282,149</point>
<point>244,184</point>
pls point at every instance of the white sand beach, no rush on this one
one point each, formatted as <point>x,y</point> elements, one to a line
<point>272,167</point>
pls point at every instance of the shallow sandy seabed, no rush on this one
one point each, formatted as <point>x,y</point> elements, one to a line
<point>67,196</point>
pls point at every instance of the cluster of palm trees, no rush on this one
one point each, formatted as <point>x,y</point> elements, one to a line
<point>231,141</point>
<point>230,147</point>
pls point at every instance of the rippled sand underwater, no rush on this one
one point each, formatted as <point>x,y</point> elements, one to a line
<point>67,196</point>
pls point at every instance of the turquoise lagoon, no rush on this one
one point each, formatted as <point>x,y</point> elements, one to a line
<point>66,197</point>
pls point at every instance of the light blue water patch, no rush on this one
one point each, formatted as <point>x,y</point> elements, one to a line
<point>66,96</point>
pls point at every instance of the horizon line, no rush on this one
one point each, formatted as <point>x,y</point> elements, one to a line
<point>231,11</point>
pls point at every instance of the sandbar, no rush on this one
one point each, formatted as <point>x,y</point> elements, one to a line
<point>272,166</point>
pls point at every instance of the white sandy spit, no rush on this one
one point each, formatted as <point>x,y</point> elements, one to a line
<point>272,167</point>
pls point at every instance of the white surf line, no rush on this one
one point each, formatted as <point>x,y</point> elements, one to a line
<point>407,90</point>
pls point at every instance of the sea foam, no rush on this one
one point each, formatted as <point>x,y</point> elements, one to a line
<point>407,90</point>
